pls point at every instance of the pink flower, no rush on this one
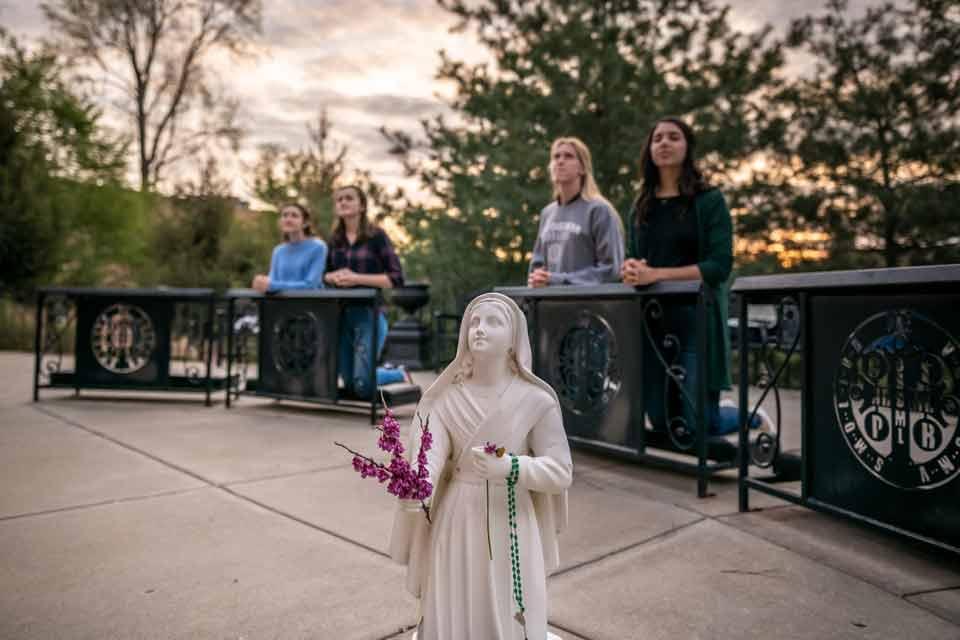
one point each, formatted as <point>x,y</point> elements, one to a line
<point>405,481</point>
<point>493,450</point>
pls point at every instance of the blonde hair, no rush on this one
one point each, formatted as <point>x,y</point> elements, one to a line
<point>588,184</point>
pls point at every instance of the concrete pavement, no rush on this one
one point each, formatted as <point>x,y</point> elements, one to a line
<point>154,517</point>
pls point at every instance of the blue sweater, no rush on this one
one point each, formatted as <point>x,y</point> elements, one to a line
<point>298,265</point>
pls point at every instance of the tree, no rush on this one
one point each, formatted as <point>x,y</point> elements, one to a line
<point>188,235</point>
<point>311,175</point>
<point>59,178</point>
<point>603,71</point>
<point>308,175</point>
<point>865,149</point>
<point>154,52</point>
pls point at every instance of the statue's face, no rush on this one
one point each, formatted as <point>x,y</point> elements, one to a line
<point>490,331</point>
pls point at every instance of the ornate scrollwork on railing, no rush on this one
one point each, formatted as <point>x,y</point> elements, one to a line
<point>585,368</point>
<point>123,338</point>
<point>59,316</point>
<point>766,446</point>
<point>294,343</point>
<point>895,396</point>
<point>188,344</point>
<point>681,433</point>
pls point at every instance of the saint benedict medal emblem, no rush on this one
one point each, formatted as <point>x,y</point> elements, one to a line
<point>897,399</point>
<point>122,338</point>
<point>584,368</point>
<point>295,343</point>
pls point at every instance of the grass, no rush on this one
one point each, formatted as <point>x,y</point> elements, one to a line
<point>16,326</point>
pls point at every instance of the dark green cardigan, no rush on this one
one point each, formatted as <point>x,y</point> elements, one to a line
<point>715,259</point>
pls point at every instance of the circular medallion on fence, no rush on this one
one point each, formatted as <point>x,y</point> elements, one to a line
<point>295,343</point>
<point>896,399</point>
<point>122,338</point>
<point>584,369</point>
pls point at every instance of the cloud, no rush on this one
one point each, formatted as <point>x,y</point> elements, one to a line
<point>369,63</point>
<point>24,19</point>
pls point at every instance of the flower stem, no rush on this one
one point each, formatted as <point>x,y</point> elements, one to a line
<point>489,545</point>
<point>423,505</point>
<point>360,455</point>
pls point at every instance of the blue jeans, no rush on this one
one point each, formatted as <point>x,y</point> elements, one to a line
<point>663,399</point>
<point>356,331</point>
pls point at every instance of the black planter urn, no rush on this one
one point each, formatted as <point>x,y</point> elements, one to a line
<point>408,339</point>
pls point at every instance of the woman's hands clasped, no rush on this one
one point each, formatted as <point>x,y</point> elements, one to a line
<point>638,272</point>
<point>342,278</point>
<point>260,283</point>
<point>539,277</point>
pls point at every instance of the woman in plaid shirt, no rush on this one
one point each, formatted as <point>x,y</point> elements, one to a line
<point>361,255</point>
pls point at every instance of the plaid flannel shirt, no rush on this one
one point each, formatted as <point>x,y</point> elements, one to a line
<point>376,255</point>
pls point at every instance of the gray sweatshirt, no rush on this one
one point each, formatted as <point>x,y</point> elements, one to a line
<point>579,242</point>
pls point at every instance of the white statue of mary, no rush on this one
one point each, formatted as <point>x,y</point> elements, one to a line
<point>487,394</point>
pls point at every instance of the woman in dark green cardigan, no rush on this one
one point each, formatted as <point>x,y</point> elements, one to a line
<point>681,230</point>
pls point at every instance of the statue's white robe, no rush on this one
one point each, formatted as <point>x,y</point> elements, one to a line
<point>464,594</point>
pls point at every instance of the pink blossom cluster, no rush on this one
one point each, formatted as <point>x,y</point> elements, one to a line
<point>390,434</point>
<point>405,482</point>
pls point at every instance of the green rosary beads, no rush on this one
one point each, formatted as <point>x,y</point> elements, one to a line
<point>514,539</point>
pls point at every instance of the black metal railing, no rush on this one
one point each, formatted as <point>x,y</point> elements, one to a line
<point>285,346</point>
<point>125,339</point>
<point>880,397</point>
<point>603,348</point>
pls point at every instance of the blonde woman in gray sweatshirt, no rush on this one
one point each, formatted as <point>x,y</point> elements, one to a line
<point>580,239</point>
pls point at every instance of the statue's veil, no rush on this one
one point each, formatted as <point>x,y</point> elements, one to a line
<point>520,345</point>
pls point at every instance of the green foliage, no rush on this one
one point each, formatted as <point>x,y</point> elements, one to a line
<point>105,240</point>
<point>604,72</point>
<point>310,176</point>
<point>307,176</point>
<point>198,239</point>
<point>58,177</point>
<point>867,147</point>
<point>16,326</point>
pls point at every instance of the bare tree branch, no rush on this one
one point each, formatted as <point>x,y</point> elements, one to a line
<point>164,45</point>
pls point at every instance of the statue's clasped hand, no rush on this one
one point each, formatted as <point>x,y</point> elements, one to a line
<point>414,506</point>
<point>489,466</point>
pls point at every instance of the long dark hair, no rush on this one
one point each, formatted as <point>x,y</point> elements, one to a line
<point>339,234</point>
<point>305,213</point>
<point>692,182</point>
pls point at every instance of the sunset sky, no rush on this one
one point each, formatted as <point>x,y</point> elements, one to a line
<point>371,63</point>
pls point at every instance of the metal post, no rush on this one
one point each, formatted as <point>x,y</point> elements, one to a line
<point>76,346</point>
<point>638,431</point>
<point>537,361</point>
<point>209,344</point>
<point>374,356</point>
<point>436,343</point>
<point>37,345</point>
<point>743,387</point>
<point>702,423</point>
<point>229,382</point>
<point>806,395</point>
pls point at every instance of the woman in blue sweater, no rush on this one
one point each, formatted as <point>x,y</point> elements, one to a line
<point>299,262</point>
